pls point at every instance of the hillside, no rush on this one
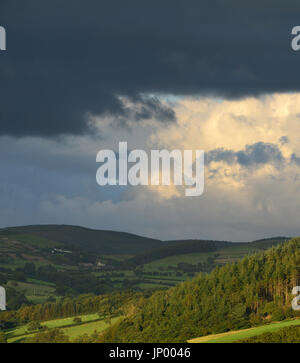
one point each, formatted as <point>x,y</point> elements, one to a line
<point>173,249</point>
<point>41,263</point>
<point>215,250</point>
<point>88,240</point>
<point>109,242</point>
<point>242,285</point>
<point>236,296</point>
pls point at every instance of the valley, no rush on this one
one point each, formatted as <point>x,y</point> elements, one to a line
<point>42,263</point>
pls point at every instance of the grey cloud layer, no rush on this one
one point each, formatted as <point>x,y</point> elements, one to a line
<point>254,155</point>
<point>68,58</point>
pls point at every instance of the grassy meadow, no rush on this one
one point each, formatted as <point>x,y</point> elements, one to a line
<point>235,336</point>
<point>90,323</point>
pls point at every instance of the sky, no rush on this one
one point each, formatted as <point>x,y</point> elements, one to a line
<point>81,76</point>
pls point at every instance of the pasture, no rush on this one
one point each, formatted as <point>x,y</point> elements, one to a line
<point>235,336</point>
<point>90,324</point>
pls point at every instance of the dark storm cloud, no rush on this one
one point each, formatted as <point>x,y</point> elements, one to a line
<point>69,58</point>
<point>253,155</point>
<point>260,153</point>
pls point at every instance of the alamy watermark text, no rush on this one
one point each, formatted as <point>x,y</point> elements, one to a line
<point>2,38</point>
<point>161,167</point>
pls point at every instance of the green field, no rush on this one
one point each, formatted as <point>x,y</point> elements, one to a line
<point>90,324</point>
<point>175,260</point>
<point>90,328</point>
<point>36,291</point>
<point>235,336</point>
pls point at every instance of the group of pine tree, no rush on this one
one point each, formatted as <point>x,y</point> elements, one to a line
<point>255,291</point>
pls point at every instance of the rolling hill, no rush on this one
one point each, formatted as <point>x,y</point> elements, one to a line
<point>210,248</point>
<point>85,239</point>
<point>110,242</point>
<point>44,262</point>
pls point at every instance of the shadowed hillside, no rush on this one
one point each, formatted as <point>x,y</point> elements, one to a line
<point>89,240</point>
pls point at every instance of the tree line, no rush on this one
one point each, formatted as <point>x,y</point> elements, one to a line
<point>172,250</point>
<point>117,303</point>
